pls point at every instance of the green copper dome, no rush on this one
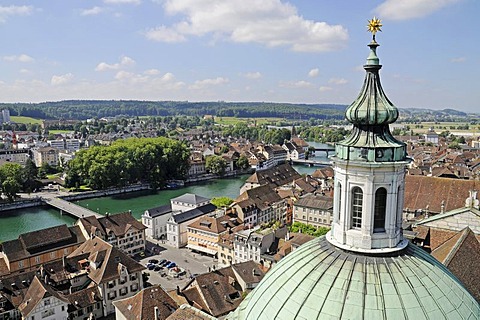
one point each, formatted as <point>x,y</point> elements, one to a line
<point>370,114</point>
<point>320,281</point>
<point>372,106</point>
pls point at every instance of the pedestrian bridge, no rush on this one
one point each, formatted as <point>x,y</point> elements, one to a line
<point>70,208</point>
<point>310,162</point>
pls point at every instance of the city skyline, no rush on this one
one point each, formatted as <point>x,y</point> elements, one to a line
<point>209,50</point>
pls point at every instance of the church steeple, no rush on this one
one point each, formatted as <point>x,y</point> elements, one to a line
<point>369,169</point>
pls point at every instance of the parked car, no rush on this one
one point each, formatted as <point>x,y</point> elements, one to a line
<point>157,268</point>
<point>154,261</point>
<point>165,263</point>
<point>171,265</point>
<point>151,266</point>
<point>161,262</point>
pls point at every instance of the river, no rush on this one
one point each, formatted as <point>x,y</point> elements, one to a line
<point>13,223</point>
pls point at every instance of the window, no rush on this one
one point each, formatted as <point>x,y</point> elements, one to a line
<point>380,210</point>
<point>20,264</point>
<point>339,201</point>
<point>53,254</point>
<point>357,204</point>
<point>37,259</point>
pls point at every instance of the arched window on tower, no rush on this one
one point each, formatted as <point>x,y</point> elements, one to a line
<point>357,206</point>
<point>380,210</point>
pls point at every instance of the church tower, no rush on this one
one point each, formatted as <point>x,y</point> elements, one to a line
<point>369,170</point>
<point>363,268</point>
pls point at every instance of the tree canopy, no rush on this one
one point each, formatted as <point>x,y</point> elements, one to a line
<point>308,229</point>
<point>151,160</point>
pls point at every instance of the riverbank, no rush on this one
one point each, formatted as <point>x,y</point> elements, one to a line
<point>29,200</point>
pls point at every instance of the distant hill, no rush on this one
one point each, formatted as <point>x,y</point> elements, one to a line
<point>85,109</point>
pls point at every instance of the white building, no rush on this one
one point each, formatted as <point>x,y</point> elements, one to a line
<point>250,244</point>
<point>156,219</point>
<point>314,210</point>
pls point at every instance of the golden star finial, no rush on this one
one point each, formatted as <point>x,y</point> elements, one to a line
<point>374,25</point>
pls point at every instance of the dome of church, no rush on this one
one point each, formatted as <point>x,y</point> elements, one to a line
<point>321,281</point>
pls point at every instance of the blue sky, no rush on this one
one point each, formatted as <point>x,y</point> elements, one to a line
<point>301,51</point>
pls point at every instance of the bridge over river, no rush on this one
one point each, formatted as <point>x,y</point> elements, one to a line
<point>68,207</point>
<point>310,162</point>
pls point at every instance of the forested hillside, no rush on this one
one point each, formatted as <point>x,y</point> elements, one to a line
<point>85,109</point>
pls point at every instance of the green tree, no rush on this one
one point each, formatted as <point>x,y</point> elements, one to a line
<point>30,173</point>
<point>308,229</point>
<point>221,202</point>
<point>242,162</point>
<point>10,178</point>
<point>216,165</point>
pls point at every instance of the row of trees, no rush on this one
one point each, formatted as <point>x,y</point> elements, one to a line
<point>262,133</point>
<point>150,160</point>
<point>322,134</point>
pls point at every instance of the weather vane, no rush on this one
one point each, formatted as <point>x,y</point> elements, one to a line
<point>374,25</point>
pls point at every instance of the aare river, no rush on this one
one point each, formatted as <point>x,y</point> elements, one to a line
<point>13,223</point>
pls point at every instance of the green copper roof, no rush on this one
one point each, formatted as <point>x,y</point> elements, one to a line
<point>319,281</point>
<point>370,114</point>
<point>372,106</point>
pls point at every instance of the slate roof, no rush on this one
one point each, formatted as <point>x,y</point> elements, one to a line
<point>191,198</point>
<point>160,211</point>
<point>142,305</point>
<point>320,281</point>
<point>119,224</point>
<point>44,240</point>
<point>193,213</point>
<point>107,258</point>
<point>419,191</point>
<point>315,201</point>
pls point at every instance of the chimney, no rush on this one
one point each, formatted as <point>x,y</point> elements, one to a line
<point>442,207</point>
<point>472,201</point>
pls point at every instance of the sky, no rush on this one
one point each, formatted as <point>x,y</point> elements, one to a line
<point>301,51</point>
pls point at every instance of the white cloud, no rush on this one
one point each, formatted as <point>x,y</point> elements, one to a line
<point>24,71</point>
<point>9,11</point>
<point>296,84</point>
<point>136,2</point>
<point>202,84</point>
<point>124,62</point>
<point>410,9</point>
<point>252,75</point>
<point>324,89</point>
<point>313,73</point>
<point>458,60</point>
<point>93,11</point>
<point>151,72</point>
<point>163,34</point>
<point>20,58</point>
<point>337,81</point>
<point>62,79</point>
<point>267,22</point>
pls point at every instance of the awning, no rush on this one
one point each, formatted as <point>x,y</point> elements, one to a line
<point>201,249</point>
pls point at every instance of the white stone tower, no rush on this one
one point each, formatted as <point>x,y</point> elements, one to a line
<point>369,172</point>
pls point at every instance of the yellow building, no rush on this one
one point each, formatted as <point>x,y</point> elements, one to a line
<point>204,233</point>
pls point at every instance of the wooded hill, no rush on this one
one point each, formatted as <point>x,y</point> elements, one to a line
<point>85,109</point>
